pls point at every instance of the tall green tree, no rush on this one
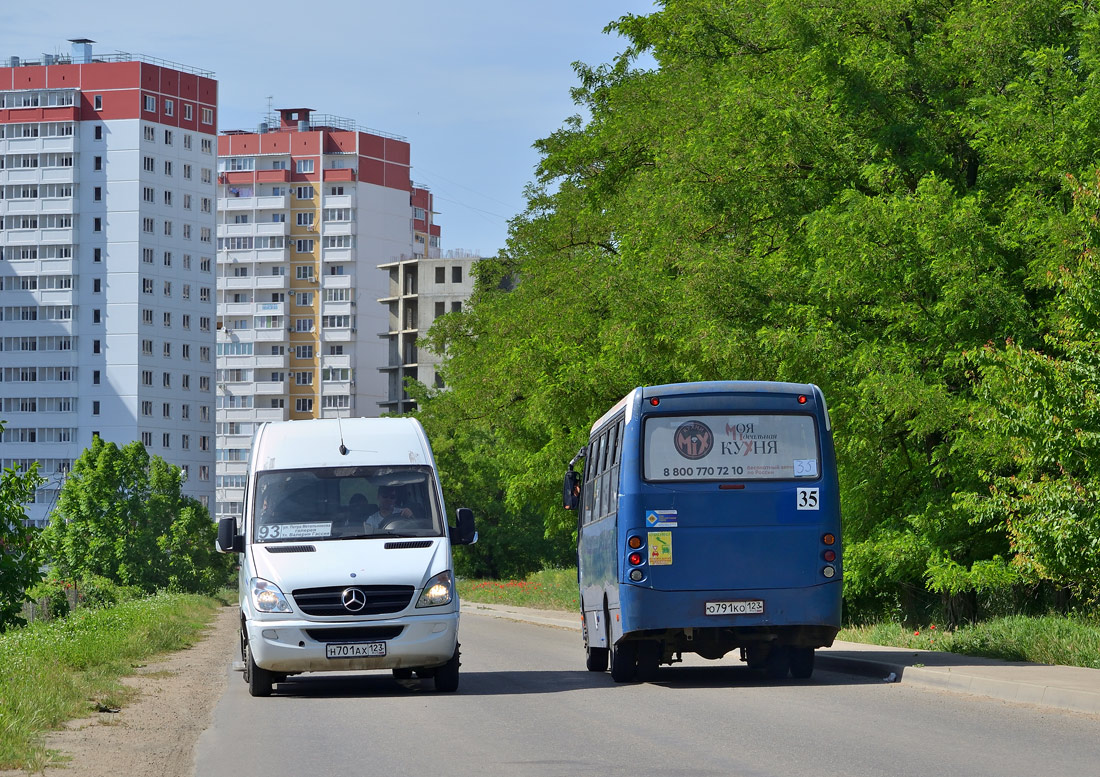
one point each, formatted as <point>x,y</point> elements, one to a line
<point>121,515</point>
<point>860,194</point>
<point>19,559</point>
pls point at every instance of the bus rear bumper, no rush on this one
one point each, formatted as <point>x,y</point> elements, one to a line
<point>803,617</point>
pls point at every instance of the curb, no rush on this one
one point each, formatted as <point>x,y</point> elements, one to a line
<point>1072,689</point>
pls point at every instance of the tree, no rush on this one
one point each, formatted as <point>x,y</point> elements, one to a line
<point>121,515</point>
<point>19,562</point>
<point>853,194</point>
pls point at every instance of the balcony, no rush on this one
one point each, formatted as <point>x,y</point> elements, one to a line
<point>271,308</point>
<point>58,175</point>
<point>336,255</point>
<point>268,202</point>
<point>275,335</point>
<point>345,281</point>
<point>272,228</point>
<point>338,228</point>
<point>236,282</point>
<point>337,309</point>
<point>340,201</point>
<point>339,362</point>
<point>235,308</point>
<point>270,361</point>
<point>336,335</point>
<point>270,282</point>
<point>268,387</point>
<point>52,205</point>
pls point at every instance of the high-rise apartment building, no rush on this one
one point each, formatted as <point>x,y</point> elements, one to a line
<point>308,208</point>
<point>107,283</point>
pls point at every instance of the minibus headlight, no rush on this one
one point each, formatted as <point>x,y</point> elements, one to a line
<point>266,596</point>
<point>439,590</point>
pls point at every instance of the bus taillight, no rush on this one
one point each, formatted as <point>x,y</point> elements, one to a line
<point>829,539</point>
<point>654,401</point>
<point>829,555</point>
<point>635,559</point>
<point>634,542</point>
<point>801,399</point>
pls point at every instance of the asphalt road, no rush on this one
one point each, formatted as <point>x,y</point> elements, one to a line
<point>526,706</point>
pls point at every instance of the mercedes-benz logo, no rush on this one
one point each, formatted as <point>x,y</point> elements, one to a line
<point>354,600</point>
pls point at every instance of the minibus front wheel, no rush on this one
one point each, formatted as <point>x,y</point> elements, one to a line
<point>259,680</point>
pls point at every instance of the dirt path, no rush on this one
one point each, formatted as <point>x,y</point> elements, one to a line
<point>154,735</point>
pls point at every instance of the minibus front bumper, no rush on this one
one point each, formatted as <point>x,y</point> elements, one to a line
<point>298,645</point>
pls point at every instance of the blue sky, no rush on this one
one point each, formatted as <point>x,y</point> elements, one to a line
<point>470,83</point>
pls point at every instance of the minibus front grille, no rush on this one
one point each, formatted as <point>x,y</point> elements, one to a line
<point>290,548</point>
<point>355,633</point>
<point>330,600</point>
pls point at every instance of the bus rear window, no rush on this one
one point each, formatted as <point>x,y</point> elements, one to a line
<point>730,447</point>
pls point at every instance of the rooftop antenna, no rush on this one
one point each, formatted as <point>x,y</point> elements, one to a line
<point>343,448</point>
<point>270,97</point>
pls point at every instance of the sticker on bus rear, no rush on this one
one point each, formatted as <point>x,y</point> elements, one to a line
<point>807,499</point>
<point>660,548</point>
<point>661,519</point>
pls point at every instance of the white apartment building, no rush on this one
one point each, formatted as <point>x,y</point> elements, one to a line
<point>107,282</point>
<point>308,207</point>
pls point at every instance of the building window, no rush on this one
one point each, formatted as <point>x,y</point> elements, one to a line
<point>169,110</point>
<point>97,163</point>
<point>303,404</point>
<point>97,255</point>
<point>304,193</point>
<point>165,440</point>
<point>188,111</point>
<point>95,407</point>
<point>147,439</point>
<point>95,377</point>
<point>148,102</point>
<point>97,102</point>
<point>303,166</point>
<point>440,274</point>
<point>207,115</point>
<point>97,193</point>
<point>456,275</point>
<point>97,224</point>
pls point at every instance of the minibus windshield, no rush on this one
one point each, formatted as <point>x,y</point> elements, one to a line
<point>334,503</point>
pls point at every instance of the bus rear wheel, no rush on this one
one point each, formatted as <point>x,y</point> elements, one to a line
<point>624,662</point>
<point>802,663</point>
<point>596,659</point>
<point>649,658</point>
<point>778,663</point>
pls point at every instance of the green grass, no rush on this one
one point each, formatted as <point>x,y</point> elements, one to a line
<point>551,589</point>
<point>1050,639</point>
<point>51,672</point>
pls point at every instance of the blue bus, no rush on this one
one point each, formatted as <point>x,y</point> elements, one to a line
<point>708,519</point>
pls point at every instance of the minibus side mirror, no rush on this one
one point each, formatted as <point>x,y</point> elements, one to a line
<point>228,539</point>
<point>464,533</point>
<point>571,490</point>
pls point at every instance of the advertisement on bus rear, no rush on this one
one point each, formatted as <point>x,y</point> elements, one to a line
<point>730,447</point>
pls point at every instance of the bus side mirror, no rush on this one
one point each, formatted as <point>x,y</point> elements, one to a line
<point>228,539</point>
<point>571,490</point>
<point>464,532</point>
